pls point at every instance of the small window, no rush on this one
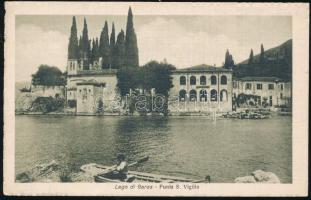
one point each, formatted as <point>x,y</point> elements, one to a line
<point>193,80</point>
<point>223,80</point>
<point>182,95</point>
<point>248,86</point>
<point>271,86</point>
<point>213,95</point>
<point>213,80</point>
<point>281,86</point>
<point>193,95</point>
<point>203,80</point>
<point>281,96</point>
<point>182,80</point>
<point>89,90</point>
<point>259,86</point>
<point>79,90</point>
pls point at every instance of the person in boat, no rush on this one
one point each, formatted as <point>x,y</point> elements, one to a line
<point>120,170</point>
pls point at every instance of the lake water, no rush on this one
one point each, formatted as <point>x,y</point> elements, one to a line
<point>184,146</point>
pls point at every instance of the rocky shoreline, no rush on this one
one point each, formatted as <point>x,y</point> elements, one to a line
<point>54,172</point>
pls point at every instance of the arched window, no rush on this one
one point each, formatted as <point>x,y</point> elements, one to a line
<point>213,80</point>
<point>203,80</point>
<point>182,80</point>
<point>203,95</point>
<point>193,95</point>
<point>213,95</point>
<point>193,80</point>
<point>223,95</point>
<point>182,95</point>
<point>223,80</point>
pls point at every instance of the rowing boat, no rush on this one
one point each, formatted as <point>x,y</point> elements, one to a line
<point>134,176</point>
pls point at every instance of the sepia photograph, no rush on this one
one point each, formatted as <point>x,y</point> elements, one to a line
<point>143,98</point>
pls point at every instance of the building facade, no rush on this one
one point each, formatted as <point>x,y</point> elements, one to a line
<point>201,88</point>
<point>268,91</point>
<point>94,90</point>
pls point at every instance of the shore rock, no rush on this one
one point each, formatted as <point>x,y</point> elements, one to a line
<point>52,172</point>
<point>245,179</point>
<point>265,177</point>
<point>259,176</point>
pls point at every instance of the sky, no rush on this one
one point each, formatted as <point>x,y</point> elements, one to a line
<point>183,41</point>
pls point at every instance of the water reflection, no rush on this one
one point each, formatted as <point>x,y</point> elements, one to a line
<point>184,146</point>
<point>138,137</point>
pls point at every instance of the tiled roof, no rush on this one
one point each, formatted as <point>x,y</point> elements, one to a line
<point>203,68</point>
<point>263,79</point>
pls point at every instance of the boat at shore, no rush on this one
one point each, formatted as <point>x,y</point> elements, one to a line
<point>248,114</point>
<point>134,176</point>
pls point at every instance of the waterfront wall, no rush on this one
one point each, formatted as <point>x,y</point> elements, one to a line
<point>48,91</point>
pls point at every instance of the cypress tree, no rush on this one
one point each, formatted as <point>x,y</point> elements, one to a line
<point>227,57</point>
<point>119,51</point>
<point>80,54</point>
<point>93,51</point>
<point>251,57</point>
<point>112,46</point>
<point>104,47</point>
<point>231,61</point>
<point>97,55</point>
<point>85,46</point>
<point>85,40</point>
<point>131,48</point>
<point>73,49</point>
<point>262,54</point>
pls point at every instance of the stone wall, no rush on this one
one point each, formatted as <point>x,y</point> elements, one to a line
<point>48,91</point>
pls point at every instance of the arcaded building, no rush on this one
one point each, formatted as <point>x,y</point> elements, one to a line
<point>201,88</point>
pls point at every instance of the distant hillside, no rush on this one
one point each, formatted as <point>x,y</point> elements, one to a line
<point>278,62</point>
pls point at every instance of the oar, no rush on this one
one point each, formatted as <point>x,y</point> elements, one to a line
<point>129,165</point>
<point>207,179</point>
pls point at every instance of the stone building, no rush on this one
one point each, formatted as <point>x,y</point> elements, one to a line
<point>90,96</point>
<point>201,88</point>
<point>93,90</point>
<point>271,91</point>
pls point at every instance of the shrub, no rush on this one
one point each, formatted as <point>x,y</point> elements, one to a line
<point>47,104</point>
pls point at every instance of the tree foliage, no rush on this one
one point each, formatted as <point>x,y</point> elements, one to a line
<point>152,75</point>
<point>115,52</point>
<point>262,54</point>
<point>128,78</point>
<point>251,57</point>
<point>158,76</point>
<point>229,62</point>
<point>276,62</point>
<point>73,41</point>
<point>131,48</point>
<point>47,104</point>
<point>48,76</point>
<point>104,47</point>
<point>118,55</point>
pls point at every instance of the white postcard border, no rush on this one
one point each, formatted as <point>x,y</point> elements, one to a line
<point>300,23</point>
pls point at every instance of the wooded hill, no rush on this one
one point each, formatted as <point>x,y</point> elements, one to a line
<point>276,61</point>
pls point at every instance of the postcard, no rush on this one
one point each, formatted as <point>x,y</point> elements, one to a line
<point>156,99</point>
